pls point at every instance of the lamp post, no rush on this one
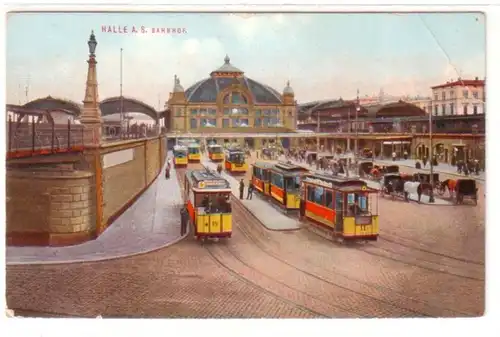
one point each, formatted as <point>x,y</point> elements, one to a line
<point>317,134</point>
<point>358,108</point>
<point>431,157</point>
<point>349,129</point>
<point>121,93</point>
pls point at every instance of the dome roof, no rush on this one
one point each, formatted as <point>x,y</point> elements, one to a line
<point>288,89</point>
<point>206,90</point>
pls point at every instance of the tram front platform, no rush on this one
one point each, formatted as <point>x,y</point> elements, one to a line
<point>272,218</point>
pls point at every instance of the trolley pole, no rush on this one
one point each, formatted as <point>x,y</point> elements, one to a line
<point>357,128</point>
<point>317,135</point>
<point>349,129</point>
<point>431,155</point>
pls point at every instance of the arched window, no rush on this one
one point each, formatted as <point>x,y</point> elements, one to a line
<point>235,98</point>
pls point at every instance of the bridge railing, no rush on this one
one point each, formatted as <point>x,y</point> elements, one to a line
<point>31,138</point>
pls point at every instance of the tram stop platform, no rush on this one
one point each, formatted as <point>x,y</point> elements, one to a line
<point>151,223</point>
<point>267,214</point>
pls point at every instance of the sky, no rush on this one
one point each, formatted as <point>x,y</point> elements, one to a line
<point>324,56</point>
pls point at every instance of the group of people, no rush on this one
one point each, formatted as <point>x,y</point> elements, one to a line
<point>242,189</point>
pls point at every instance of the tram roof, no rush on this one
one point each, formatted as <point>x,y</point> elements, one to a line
<point>207,180</point>
<point>263,164</point>
<point>289,168</point>
<point>179,147</point>
<point>235,151</point>
<point>214,145</point>
<point>193,145</point>
<point>342,184</point>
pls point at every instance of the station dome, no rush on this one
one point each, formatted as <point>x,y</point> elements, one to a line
<point>206,90</point>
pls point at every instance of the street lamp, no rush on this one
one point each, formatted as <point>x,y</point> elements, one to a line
<point>358,108</point>
<point>92,44</point>
<point>431,157</point>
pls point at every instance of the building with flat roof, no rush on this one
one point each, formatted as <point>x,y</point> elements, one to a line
<point>460,97</point>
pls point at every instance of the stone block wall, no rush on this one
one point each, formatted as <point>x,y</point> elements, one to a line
<point>56,203</point>
<point>49,207</point>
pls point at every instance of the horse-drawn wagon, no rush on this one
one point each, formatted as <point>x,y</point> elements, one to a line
<point>465,188</point>
<point>365,168</point>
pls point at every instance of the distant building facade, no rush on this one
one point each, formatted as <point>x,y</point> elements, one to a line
<point>228,101</point>
<point>460,97</point>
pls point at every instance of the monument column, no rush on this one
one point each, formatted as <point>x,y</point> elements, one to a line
<point>92,122</point>
<point>91,114</point>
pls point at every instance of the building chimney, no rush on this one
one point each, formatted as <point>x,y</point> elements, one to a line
<point>477,78</point>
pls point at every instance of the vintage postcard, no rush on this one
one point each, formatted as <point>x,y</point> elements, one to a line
<point>245,165</point>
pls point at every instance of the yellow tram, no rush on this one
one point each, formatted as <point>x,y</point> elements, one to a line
<point>261,177</point>
<point>194,153</point>
<point>346,208</point>
<point>235,161</point>
<point>180,156</point>
<point>207,197</point>
<point>285,181</point>
<point>215,153</point>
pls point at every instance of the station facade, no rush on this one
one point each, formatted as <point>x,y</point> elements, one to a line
<point>228,101</point>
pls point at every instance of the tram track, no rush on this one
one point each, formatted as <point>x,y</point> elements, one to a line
<point>424,263</point>
<point>370,290</point>
<point>396,239</point>
<point>385,296</point>
<point>226,265</point>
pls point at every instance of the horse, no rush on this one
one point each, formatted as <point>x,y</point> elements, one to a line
<point>412,187</point>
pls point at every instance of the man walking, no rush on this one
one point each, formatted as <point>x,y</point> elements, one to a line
<point>242,188</point>
<point>184,220</point>
<point>250,191</point>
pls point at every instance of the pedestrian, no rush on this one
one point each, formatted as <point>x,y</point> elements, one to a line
<point>250,191</point>
<point>242,188</point>
<point>167,171</point>
<point>394,156</point>
<point>424,161</point>
<point>184,220</point>
<point>405,155</point>
<point>219,169</point>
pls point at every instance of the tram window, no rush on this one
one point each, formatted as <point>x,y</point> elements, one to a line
<point>318,195</point>
<point>362,202</point>
<point>329,199</point>
<point>277,180</point>
<point>310,193</point>
<point>292,183</point>
<point>338,200</point>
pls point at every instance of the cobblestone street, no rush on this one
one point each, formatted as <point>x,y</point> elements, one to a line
<point>429,261</point>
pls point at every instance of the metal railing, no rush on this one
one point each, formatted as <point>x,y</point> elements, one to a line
<point>26,139</point>
<point>30,138</point>
<point>135,131</point>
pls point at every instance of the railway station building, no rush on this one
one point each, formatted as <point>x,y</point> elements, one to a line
<point>230,102</point>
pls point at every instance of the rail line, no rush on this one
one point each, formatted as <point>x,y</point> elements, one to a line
<point>428,306</point>
<point>218,261</point>
<point>439,270</point>
<point>385,237</point>
<point>408,311</point>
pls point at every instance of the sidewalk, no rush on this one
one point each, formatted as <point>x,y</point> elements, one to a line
<point>441,168</point>
<point>266,213</point>
<point>152,222</point>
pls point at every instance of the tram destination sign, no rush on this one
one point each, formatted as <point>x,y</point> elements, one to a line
<point>318,182</point>
<point>212,183</point>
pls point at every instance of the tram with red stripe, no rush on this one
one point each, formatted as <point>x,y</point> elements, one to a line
<point>261,177</point>
<point>345,208</point>
<point>285,181</point>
